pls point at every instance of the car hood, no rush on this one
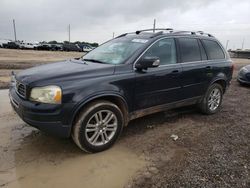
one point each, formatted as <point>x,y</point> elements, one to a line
<point>66,70</point>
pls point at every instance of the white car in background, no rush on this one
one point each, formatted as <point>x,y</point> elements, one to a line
<point>3,41</point>
<point>28,45</point>
<point>87,48</point>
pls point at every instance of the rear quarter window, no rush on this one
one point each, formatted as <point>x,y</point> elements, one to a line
<point>213,49</point>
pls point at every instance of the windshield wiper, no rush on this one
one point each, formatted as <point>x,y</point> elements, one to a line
<point>95,61</point>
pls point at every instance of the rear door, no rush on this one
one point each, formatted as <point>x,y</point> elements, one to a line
<point>160,85</point>
<point>217,61</point>
<point>192,59</point>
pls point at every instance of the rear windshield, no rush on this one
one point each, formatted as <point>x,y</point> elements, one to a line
<point>116,51</point>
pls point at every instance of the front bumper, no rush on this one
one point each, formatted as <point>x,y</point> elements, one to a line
<point>51,118</point>
<point>243,80</point>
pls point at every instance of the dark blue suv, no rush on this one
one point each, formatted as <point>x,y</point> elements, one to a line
<point>93,97</point>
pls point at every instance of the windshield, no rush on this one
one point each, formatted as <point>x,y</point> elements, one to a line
<point>116,51</point>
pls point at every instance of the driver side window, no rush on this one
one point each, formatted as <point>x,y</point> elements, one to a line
<point>165,50</point>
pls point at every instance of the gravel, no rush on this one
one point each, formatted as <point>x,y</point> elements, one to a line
<point>211,151</point>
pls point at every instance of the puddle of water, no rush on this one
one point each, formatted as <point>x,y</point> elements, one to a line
<point>31,159</point>
<point>4,102</point>
<point>112,168</point>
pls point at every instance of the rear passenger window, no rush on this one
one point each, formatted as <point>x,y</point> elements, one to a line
<point>190,50</point>
<point>213,49</point>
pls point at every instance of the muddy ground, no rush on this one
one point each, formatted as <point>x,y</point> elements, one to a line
<point>32,159</point>
<point>211,151</point>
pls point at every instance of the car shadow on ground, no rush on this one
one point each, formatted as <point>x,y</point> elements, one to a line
<point>38,144</point>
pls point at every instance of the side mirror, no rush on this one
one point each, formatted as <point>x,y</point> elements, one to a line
<point>147,62</point>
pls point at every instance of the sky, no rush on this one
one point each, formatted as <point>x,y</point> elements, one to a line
<point>96,20</point>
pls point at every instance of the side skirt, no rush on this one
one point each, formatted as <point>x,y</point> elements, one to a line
<point>163,107</point>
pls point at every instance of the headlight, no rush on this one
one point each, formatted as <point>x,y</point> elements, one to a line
<point>244,69</point>
<point>47,94</point>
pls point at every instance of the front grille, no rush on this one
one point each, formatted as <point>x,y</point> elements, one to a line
<point>21,89</point>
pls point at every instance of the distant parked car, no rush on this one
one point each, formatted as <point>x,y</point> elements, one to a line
<point>27,45</point>
<point>12,45</point>
<point>71,47</point>
<point>86,47</point>
<point>56,47</point>
<point>3,42</point>
<point>43,46</point>
<point>244,75</point>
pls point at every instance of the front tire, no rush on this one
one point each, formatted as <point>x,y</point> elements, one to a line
<point>98,126</point>
<point>211,103</point>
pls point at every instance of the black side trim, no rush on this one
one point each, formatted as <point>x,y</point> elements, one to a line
<point>163,107</point>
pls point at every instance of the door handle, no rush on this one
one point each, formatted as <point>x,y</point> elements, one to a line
<point>175,71</point>
<point>208,67</point>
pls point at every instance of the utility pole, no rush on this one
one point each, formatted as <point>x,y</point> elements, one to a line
<point>69,33</point>
<point>14,27</point>
<point>227,44</point>
<point>242,47</point>
<point>154,25</point>
<point>113,34</point>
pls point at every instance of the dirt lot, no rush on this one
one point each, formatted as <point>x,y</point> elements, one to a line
<point>211,151</point>
<point>15,60</point>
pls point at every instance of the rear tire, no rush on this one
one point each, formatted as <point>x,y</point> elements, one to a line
<point>98,126</point>
<point>211,103</point>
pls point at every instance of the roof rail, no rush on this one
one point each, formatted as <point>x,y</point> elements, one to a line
<point>139,31</point>
<point>184,32</point>
<point>203,33</point>
<point>156,29</point>
<point>123,35</point>
<point>157,34</point>
<point>172,31</point>
<point>192,33</point>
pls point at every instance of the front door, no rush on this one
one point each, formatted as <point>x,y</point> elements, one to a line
<point>160,85</point>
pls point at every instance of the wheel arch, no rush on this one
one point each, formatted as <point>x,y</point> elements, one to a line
<point>222,79</point>
<point>222,82</point>
<point>115,98</point>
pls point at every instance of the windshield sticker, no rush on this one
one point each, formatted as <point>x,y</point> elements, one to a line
<point>140,40</point>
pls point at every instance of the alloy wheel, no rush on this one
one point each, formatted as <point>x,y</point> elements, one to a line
<point>101,127</point>
<point>214,99</point>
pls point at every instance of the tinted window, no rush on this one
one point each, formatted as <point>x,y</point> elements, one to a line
<point>165,50</point>
<point>213,49</point>
<point>190,50</point>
